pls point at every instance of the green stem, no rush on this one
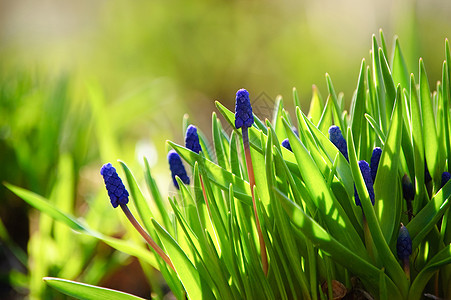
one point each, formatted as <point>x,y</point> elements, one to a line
<point>406,267</point>
<point>146,236</point>
<point>205,195</point>
<point>250,170</point>
<point>368,238</point>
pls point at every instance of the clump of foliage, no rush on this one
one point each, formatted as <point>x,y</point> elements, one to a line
<point>308,218</point>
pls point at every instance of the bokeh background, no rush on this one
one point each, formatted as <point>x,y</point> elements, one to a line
<point>69,70</point>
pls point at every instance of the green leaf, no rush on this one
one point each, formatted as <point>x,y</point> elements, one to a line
<point>316,107</point>
<point>390,90</point>
<point>388,199</point>
<point>140,202</point>
<point>376,128</point>
<point>86,291</point>
<point>399,67</point>
<point>217,175</point>
<point>431,147</point>
<point>390,263</point>
<point>194,285</point>
<point>44,206</point>
<point>331,211</point>
<point>326,117</point>
<point>296,101</point>
<point>156,194</point>
<point>429,216</point>
<point>217,141</point>
<point>337,110</point>
<point>418,144</point>
<point>442,258</point>
<point>359,107</point>
<point>339,253</point>
<point>377,83</point>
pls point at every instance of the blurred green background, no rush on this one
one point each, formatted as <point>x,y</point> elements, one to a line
<point>103,80</point>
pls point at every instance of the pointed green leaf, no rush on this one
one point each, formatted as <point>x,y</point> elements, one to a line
<point>86,291</point>
<point>431,149</point>
<point>194,285</point>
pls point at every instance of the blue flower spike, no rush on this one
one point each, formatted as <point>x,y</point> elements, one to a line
<point>336,137</point>
<point>374,163</point>
<point>366,173</point>
<point>446,176</point>
<point>286,144</point>
<point>244,119</point>
<point>192,139</point>
<point>243,110</point>
<point>119,196</point>
<point>177,168</point>
<point>404,248</point>
<point>116,190</point>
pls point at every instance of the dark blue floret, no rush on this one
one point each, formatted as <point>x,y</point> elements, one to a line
<point>192,139</point>
<point>116,189</point>
<point>286,144</point>
<point>177,168</point>
<point>374,163</point>
<point>445,177</point>
<point>404,243</point>
<point>408,191</point>
<point>243,110</point>
<point>366,173</point>
<point>338,140</point>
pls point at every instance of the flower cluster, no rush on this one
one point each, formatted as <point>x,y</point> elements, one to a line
<point>286,144</point>
<point>243,110</point>
<point>192,139</point>
<point>336,137</point>
<point>116,189</point>
<point>366,173</point>
<point>177,168</point>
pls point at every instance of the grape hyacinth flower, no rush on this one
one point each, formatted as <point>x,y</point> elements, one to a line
<point>177,168</point>
<point>243,110</point>
<point>286,144</point>
<point>374,163</point>
<point>192,139</point>
<point>244,119</point>
<point>119,196</point>
<point>404,248</point>
<point>446,176</point>
<point>116,190</point>
<point>336,137</point>
<point>366,174</point>
<point>192,143</point>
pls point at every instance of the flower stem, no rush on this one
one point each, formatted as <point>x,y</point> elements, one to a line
<point>368,238</point>
<point>146,236</point>
<point>406,267</point>
<point>250,170</point>
<point>205,195</point>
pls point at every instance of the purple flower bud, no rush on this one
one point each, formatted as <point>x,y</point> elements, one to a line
<point>404,243</point>
<point>286,144</point>
<point>243,110</point>
<point>445,177</point>
<point>116,189</point>
<point>366,174</point>
<point>192,139</point>
<point>374,163</point>
<point>177,168</point>
<point>408,191</point>
<point>338,140</point>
